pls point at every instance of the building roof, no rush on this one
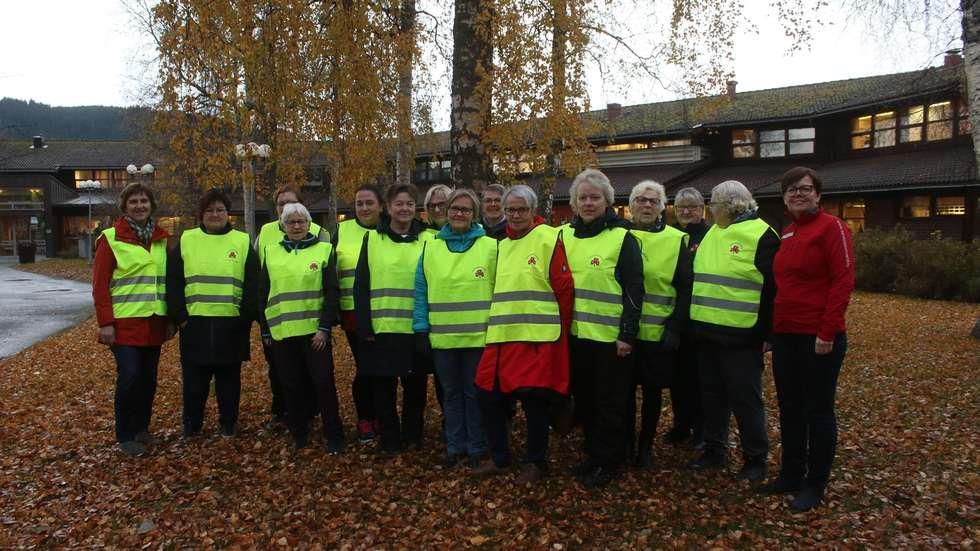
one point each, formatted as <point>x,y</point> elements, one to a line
<point>929,168</point>
<point>754,176</point>
<point>19,156</point>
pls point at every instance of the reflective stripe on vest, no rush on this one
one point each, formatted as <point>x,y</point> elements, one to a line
<point>524,307</point>
<point>392,266</point>
<point>138,285</point>
<point>271,234</point>
<point>727,285</point>
<point>350,237</point>
<point>295,289</point>
<point>660,251</point>
<point>598,296</point>
<point>460,289</point>
<point>214,271</point>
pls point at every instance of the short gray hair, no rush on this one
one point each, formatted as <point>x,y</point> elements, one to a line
<point>734,197</point>
<point>446,190</point>
<point>465,192</point>
<point>689,193</point>
<point>522,191</point>
<point>595,178</point>
<point>648,185</point>
<point>292,209</point>
<point>495,188</point>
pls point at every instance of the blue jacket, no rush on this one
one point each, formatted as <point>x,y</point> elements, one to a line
<point>457,243</point>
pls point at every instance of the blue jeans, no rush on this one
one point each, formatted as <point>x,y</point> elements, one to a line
<point>463,422</point>
<point>136,385</point>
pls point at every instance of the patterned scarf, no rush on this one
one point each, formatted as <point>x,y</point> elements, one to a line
<point>143,233</point>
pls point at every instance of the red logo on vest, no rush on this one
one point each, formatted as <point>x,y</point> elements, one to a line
<point>314,266</point>
<point>479,273</point>
<point>736,248</point>
<point>595,261</point>
<point>532,260</point>
<point>232,255</point>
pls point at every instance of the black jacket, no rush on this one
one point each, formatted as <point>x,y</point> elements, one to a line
<point>497,231</point>
<point>696,231</point>
<point>629,269</point>
<point>734,337</point>
<point>330,311</point>
<point>682,281</point>
<point>212,340</point>
<point>389,354</point>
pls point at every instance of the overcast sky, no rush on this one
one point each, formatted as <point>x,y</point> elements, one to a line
<point>74,52</point>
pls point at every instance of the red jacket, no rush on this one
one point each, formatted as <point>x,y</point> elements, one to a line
<point>151,331</point>
<point>814,271</point>
<point>525,365</point>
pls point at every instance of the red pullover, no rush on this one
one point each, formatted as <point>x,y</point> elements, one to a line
<point>151,331</point>
<point>814,271</point>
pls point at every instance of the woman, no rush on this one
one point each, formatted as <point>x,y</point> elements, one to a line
<point>273,233</point>
<point>453,289</point>
<point>347,242</point>
<point>608,272</point>
<point>298,298</point>
<point>685,392</point>
<point>384,286</point>
<point>436,199</point>
<point>494,222</point>
<point>128,287</point>
<point>212,296</point>
<point>526,357</point>
<point>731,319</point>
<point>814,272</point>
<point>667,284</point>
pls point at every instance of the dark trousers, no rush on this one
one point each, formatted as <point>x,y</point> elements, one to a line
<point>462,421</point>
<point>601,382</point>
<point>361,387</point>
<point>731,382</point>
<point>410,425</point>
<point>653,373</point>
<point>806,387</point>
<point>136,385</point>
<point>197,386</point>
<point>685,391</point>
<point>308,381</point>
<point>496,407</point>
<point>275,384</point>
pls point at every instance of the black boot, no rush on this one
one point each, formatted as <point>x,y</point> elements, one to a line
<point>780,485</point>
<point>710,459</point>
<point>754,469</point>
<point>808,498</point>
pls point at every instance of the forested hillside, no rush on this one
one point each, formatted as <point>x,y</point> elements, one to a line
<point>24,119</point>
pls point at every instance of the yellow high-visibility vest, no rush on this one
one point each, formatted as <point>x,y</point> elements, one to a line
<point>295,289</point>
<point>214,271</point>
<point>138,286</point>
<point>271,234</point>
<point>392,265</point>
<point>350,237</point>
<point>660,251</point>
<point>460,290</point>
<point>598,296</point>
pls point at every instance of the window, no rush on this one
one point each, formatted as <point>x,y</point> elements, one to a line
<point>743,143</point>
<point>670,143</point>
<point>935,121</point>
<point>831,207</point>
<point>772,143</point>
<point>915,207</point>
<point>853,214</point>
<point>621,147</point>
<point>950,206</point>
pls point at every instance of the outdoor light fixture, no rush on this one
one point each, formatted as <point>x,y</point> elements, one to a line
<point>90,186</point>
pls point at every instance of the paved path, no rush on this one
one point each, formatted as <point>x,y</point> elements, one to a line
<point>33,307</point>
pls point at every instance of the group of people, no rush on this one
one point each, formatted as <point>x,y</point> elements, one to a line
<point>502,308</point>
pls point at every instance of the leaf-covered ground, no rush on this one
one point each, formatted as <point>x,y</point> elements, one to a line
<point>66,268</point>
<point>906,474</point>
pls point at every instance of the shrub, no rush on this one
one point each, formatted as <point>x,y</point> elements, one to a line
<point>892,261</point>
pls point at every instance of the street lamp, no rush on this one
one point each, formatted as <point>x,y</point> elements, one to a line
<point>252,152</point>
<point>91,186</point>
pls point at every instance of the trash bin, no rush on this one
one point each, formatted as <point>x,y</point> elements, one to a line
<point>26,252</point>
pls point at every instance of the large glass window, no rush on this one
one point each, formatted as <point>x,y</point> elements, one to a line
<point>772,143</point>
<point>935,121</point>
<point>940,126</point>
<point>916,207</point>
<point>853,214</point>
<point>950,206</point>
<point>743,143</point>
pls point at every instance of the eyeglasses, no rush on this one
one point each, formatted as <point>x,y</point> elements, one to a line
<point>688,208</point>
<point>296,222</point>
<point>436,206</point>
<point>491,200</point>
<point>647,200</point>
<point>520,211</point>
<point>800,190</point>
<point>460,210</point>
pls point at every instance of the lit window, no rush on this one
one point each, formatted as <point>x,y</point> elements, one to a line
<point>940,125</point>
<point>861,132</point>
<point>743,143</point>
<point>950,206</point>
<point>621,147</point>
<point>853,214</point>
<point>670,143</point>
<point>884,124</point>
<point>915,207</point>
<point>911,124</point>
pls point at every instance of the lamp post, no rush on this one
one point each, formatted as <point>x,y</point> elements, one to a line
<point>252,153</point>
<point>91,186</point>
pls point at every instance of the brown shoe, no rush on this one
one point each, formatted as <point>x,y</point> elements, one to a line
<point>530,473</point>
<point>487,468</point>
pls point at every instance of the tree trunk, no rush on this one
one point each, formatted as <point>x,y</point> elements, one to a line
<point>971,69</point>
<point>471,94</point>
<point>248,192</point>
<point>405,158</point>
<point>559,38</point>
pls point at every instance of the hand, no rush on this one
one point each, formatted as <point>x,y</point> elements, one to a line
<point>107,335</point>
<point>320,340</point>
<point>267,341</point>
<point>623,349</point>
<point>822,347</point>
